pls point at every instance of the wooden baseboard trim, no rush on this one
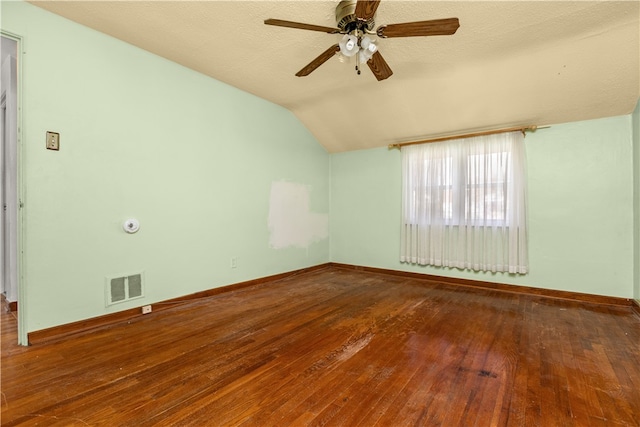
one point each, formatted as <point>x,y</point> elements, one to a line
<point>635,304</point>
<point>108,320</point>
<point>548,293</point>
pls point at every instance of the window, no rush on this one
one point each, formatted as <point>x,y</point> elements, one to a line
<point>485,186</point>
<point>464,203</point>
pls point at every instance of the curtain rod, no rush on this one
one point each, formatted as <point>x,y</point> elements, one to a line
<point>522,129</point>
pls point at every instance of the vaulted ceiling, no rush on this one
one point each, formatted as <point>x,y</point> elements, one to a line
<point>510,63</point>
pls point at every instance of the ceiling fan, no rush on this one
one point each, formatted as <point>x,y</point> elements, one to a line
<point>356,20</point>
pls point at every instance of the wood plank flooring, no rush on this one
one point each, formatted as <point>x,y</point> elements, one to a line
<point>337,348</point>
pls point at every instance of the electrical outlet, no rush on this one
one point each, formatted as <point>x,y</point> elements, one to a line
<point>234,262</point>
<point>146,309</point>
<point>53,141</point>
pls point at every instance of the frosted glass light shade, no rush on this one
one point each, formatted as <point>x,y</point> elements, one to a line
<point>368,49</point>
<point>349,45</point>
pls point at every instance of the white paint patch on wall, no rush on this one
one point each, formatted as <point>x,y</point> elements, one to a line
<point>291,223</point>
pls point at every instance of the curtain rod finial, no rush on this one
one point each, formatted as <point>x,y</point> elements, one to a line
<point>392,146</point>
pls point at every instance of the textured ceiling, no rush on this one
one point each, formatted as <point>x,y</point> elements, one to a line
<point>510,62</point>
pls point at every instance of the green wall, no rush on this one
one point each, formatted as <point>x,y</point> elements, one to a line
<point>635,125</point>
<point>580,210</point>
<point>191,158</point>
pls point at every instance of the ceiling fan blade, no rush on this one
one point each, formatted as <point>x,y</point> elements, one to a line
<point>379,66</point>
<point>321,59</point>
<point>365,9</point>
<point>436,27</point>
<point>301,26</point>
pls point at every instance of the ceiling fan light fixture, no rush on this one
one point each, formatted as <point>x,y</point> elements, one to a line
<point>365,42</point>
<point>372,48</point>
<point>367,49</point>
<point>362,56</point>
<point>349,45</point>
<point>368,45</point>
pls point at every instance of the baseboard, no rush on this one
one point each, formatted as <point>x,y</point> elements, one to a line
<point>635,304</point>
<point>108,320</point>
<point>548,293</point>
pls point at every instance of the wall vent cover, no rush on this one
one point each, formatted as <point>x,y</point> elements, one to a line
<point>124,288</point>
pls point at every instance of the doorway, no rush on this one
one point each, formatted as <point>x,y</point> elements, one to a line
<point>9,200</point>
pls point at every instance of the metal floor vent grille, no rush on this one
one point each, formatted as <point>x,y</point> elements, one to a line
<point>125,288</point>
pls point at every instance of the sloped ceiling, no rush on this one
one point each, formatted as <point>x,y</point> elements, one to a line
<point>510,63</point>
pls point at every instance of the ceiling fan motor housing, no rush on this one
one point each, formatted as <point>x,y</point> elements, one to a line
<point>347,20</point>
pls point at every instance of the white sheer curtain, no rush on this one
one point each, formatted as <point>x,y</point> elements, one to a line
<point>464,204</point>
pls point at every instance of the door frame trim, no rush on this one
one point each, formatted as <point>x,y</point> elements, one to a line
<point>21,191</point>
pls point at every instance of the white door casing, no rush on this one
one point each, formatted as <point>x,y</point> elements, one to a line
<point>13,188</point>
<point>9,178</point>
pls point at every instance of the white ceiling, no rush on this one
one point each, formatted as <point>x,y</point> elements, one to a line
<point>510,63</point>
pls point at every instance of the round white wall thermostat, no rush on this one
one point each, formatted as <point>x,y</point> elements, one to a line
<point>131,225</point>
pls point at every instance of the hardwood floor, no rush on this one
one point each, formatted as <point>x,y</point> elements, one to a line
<point>338,348</point>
